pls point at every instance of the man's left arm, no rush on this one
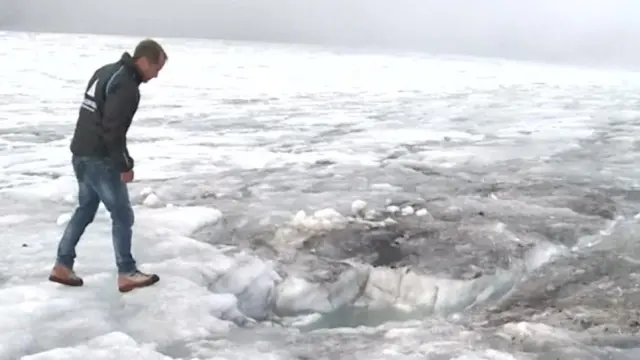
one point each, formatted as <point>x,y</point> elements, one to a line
<point>120,107</point>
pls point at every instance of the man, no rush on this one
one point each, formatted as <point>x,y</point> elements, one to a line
<point>102,164</point>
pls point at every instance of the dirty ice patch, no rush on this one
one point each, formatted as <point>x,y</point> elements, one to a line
<point>414,136</point>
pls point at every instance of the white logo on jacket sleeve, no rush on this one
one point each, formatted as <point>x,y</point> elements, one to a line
<point>89,102</point>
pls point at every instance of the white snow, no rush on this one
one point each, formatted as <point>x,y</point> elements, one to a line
<point>113,345</point>
<point>422,212</point>
<point>188,124</point>
<point>407,210</point>
<point>392,209</point>
<point>358,207</point>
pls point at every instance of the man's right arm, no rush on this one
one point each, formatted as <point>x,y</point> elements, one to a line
<point>119,108</point>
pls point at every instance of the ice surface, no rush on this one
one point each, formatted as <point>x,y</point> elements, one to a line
<point>268,146</point>
<point>109,346</point>
<point>43,314</point>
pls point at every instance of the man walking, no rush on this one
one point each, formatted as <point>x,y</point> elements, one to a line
<point>102,164</point>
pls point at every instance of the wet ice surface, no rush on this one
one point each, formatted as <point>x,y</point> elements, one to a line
<point>499,219</point>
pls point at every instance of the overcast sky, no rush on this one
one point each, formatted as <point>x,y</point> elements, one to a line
<point>603,32</point>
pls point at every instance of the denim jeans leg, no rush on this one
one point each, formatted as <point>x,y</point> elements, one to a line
<point>83,215</point>
<point>115,196</point>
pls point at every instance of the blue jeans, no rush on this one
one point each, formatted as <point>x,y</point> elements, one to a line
<point>99,180</point>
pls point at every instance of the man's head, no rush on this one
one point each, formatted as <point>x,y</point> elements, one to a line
<point>150,57</point>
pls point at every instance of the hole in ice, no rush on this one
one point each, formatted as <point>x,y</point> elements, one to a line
<point>366,269</point>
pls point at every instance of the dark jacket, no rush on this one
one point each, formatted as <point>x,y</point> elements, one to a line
<point>110,102</point>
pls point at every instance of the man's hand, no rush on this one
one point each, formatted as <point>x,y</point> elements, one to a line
<point>127,177</point>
